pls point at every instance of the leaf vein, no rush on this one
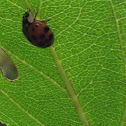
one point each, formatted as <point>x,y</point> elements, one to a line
<point>41,73</point>
<point>15,4</point>
<point>4,93</point>
<point>70,89</point>
<point>9,118</point>
<point>123,53</point>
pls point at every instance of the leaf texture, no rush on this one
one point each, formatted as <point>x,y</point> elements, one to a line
<point>80,80</point>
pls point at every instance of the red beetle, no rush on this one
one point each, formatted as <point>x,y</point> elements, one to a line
<point>37,32</point>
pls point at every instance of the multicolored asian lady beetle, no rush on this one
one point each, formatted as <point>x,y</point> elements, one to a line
<point>36,31</point>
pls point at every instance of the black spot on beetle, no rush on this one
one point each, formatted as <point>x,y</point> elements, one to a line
<point>33,29</point>
<point>46,29</point>
<point>42,36</point>
<point>33,37</point>
<point>47,41</point>
<point>42,44</point>
<point>51,37</point>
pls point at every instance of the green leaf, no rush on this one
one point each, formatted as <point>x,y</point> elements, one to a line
<point>81,79</point>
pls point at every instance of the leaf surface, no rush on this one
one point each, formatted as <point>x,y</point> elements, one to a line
<point>80,80</point>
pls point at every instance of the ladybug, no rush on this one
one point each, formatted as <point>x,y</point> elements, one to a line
<point>36,31</point>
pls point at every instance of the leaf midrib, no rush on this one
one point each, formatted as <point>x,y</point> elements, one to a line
<point>70,89</point>
<point>39,72</point>
<point>65,78</point>
<point>123,55</point>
